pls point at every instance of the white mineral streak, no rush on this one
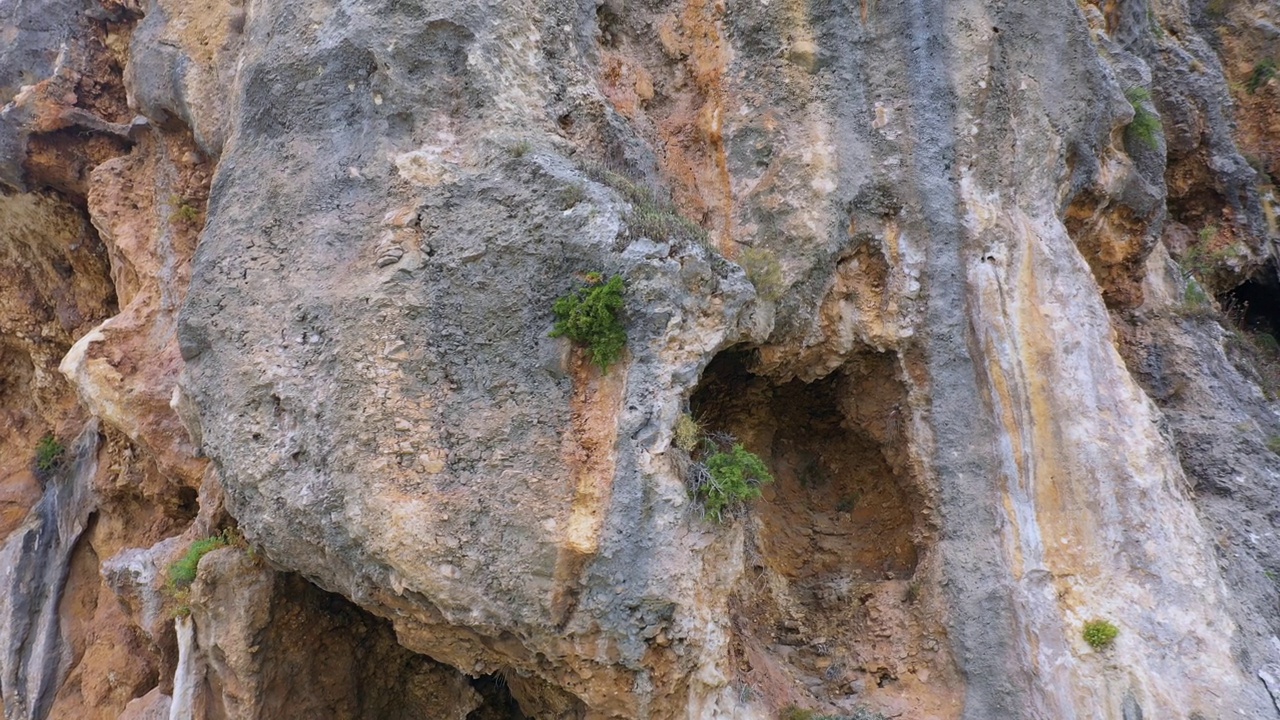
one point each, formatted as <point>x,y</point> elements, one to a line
<point>1098,522</point>
<point>189,674</point>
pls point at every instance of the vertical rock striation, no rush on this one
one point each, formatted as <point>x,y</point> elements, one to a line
<point>35,561</point>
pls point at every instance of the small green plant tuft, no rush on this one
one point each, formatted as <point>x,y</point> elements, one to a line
<point>520,149</point>
<point>1254,351</point>
<point>1156,29</point>
<point>1205,259</point>
<point>688,433</point>
<point>183,570</point>
<point>184,211</point>
<point>1099,633</point>
<point>650,216</point>
<point>1262,73</point>
<point>1273,444</point>
<point>571,195</point>
<point>1145,126</point>
<point>1195,302</point>
<point>49,454</point>
<point>186,214</point>
<point>590,318</point>
<point>722,476</point>
<point>764,271</point>
<point>658,223</point>
<point>736,476</point>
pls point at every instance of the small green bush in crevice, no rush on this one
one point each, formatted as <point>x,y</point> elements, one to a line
<point>736,477</point>
<point>1256,354</point>
<point>1196,302</point>
<point>1267,343</point>
<point>1203,266</point>
<point>183,570</point>
<point>49,454</point>
<point>571,195</point>
<point>1099,633</point>
<point>1154,22</point>
<point>1262,73</point>
<point>1145,126</point>
<point>184,211</point>
<point>688,433</point>
<point>722,475</point>
<point>520,148</point>
<point>590,317</point>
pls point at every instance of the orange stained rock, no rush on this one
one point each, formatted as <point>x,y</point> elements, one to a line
<point>590,454</point>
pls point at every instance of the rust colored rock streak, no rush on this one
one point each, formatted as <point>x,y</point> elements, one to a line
<point>590,457</point>
<point>677,93</point>
<point>148,208</point>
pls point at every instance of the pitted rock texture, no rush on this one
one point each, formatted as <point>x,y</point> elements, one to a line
<point>299,258</point>
<point>411,421</point>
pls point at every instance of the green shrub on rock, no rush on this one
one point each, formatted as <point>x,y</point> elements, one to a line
<point>1273,444</point>
<point>764,271</point>
<point>721,475</point>
<point>1145,126</point>
<point>49,454</point>
<point>651,215</point>
<point>688,433</point>
<point>590,317</point>
<point>183,571</point>
<point>733,477</point>
<point>1100,633</point>
<point>1263,71</point>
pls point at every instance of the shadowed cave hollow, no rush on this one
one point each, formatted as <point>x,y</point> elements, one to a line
<point>836,508</point>
<point>324,657</point>
<point>1255,303</point>
<point>834,542</point>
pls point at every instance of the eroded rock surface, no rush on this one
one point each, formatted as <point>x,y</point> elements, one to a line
<point>986,286</point>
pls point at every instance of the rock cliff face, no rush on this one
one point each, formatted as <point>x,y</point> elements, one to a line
<point>990,288</point>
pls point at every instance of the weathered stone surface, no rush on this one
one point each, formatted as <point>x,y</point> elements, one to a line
<point>407,435</point>
<point>35,560</point>
<point>147,208</point>
<point>937,296</point>
<point>152,706</point>
<point>53,286</point>
<point>273,646</point>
